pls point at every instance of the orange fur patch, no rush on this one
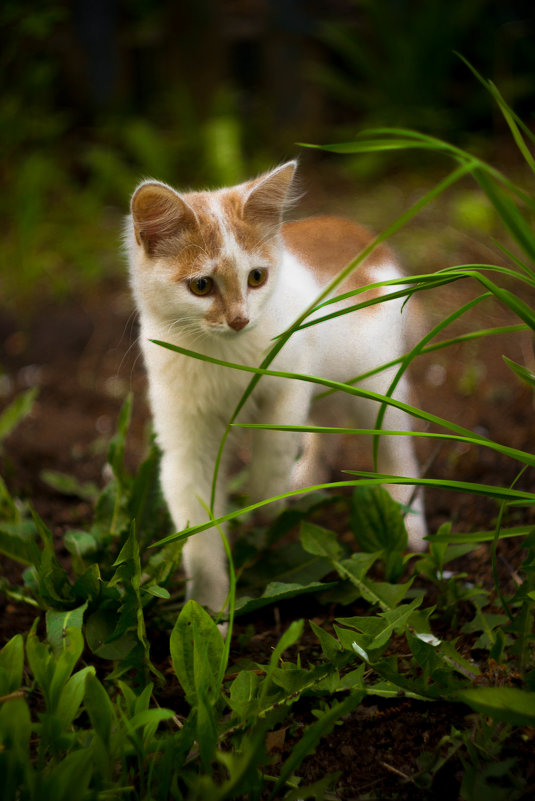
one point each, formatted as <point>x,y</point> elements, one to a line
<point>328,244</point>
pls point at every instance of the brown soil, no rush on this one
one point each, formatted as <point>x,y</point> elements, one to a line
<point>84,357</point>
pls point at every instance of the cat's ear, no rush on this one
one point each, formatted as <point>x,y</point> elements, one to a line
<point>269,195</point>
<point>159,213</point>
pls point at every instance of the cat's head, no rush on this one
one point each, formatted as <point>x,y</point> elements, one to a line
<point>207,262</point>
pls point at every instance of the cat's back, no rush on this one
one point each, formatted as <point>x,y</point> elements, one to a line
<point>327,244</point>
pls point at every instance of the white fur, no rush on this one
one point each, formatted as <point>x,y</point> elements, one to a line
<point>192,401</point>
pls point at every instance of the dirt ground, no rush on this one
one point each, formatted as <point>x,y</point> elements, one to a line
<point>83,355</point>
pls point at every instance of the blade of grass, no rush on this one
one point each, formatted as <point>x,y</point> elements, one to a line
<point>490,491</point>
<point>513,453</point>
<point>361,393</point>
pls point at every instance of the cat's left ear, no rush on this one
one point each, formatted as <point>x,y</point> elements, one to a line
<point>269,195</point>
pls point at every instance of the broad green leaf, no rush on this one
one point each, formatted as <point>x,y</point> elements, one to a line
<point>320,541</point>
<point>17,542</point>
<point>508,704</point>
<point>11,665</point>
<point>72,695</point>
<point>243,694</point>
<point>206,728</point>
<point>196,650</point>
<point>65,658</point>
<point>386,595</point>
<point>156,591</point>
<point>99,708</point>
<point>16,412</point>
<point>150,717</point>
<point>70,778</point>
<point>81,544</point>
<point>40,661</point>
<point>57,623</point>
<point>104,640</point>
<point>376,520</point>
<point>15,732</point>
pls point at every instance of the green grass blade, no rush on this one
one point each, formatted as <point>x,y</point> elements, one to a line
<point>489,491</point>
<point>414,353</point>
<point>361,393</point>
<point>513,121</point>
<point>509,214</point>
<point>513,453</point>
<point>522,372</point>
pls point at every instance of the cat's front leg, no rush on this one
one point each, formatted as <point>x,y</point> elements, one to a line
<point>186,482</point>
<point>274,453</point>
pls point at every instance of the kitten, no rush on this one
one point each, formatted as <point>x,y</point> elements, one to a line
<point>218,272</point>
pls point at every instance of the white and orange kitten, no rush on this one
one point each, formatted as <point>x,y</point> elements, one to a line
<point>218,272</point>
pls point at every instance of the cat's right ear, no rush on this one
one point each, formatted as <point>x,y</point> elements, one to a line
<point>158,213</point>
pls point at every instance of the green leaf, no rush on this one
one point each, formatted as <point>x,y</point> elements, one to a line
<point>17,542</point>
<point>508,704</point>
<point>386,595</point>
<point>16,412</point>
<point>319,541</point>
<point>15,732</point>
<point>72,695</point>
<point>278,591</point>
<point>103,639</point>
<point>243,694</point>
<point>376,520</point>
<point>65,658</point>
<point>68,484</point>
<point>81,544</point>
<point>156,591</point>
<point>11,665</point>
<point>99,708</point>
<point>196,650</point>
<point>329,645</point>
<point>57,623</point>
<point>379,629</point>
<point>71,777</point>
<point>206,728</point>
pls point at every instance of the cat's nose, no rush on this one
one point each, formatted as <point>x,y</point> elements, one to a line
<point>237,323</point>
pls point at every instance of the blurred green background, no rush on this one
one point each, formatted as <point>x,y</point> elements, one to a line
<point>97,94</point>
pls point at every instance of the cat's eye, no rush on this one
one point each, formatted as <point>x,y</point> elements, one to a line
<point>201,286</point>
<point>257,277</point>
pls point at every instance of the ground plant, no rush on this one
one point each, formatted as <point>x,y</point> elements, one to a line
<point>121,690</point>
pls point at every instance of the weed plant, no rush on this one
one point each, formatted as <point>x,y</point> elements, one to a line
<point>80,716</point>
